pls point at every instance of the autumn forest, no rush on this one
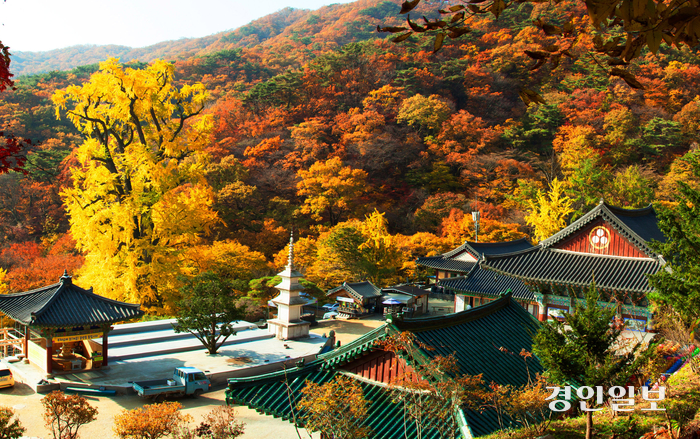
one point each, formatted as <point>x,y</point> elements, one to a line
<point>205,155</point>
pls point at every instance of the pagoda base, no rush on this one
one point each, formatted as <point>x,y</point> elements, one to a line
<point>288,330</point>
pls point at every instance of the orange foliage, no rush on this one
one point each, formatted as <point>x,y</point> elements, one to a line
<point>459,227</point>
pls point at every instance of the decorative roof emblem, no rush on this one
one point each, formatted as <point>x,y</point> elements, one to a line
<point>599,237</point>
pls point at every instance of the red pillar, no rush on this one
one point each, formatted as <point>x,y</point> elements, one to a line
<point>25,345</point>
<point>49,355</point>
<point>104,348</point>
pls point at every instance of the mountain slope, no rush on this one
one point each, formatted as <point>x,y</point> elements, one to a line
<point>328,27</point>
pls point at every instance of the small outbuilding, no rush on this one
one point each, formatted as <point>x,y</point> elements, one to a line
<point>409,299</point>
<point>65,327</point>
<point>356,298</point>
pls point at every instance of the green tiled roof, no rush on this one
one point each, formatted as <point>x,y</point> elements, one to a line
<point>562,267</point>
<point>269,394</point>
<point>354,349</point>
<point>485,340</point>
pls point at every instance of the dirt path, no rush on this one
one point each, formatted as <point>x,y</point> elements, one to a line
<point>348,330</point>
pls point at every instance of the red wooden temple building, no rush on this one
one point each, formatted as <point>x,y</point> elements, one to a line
<point>608,246</point>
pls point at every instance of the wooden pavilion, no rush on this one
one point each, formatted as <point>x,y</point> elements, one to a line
<point>62,324</point>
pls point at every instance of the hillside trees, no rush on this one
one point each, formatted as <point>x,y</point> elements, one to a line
<point>332,190</point>
<point>678,286</point>
<point>623,29</point>
<point>138,197</point>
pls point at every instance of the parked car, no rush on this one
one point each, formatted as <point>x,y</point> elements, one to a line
<point>330,315</point>
<point>6,378</point>
<point>331,306</point>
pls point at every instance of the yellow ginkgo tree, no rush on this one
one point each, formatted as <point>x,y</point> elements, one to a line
<point>549,212</point>
<point>139,198</point>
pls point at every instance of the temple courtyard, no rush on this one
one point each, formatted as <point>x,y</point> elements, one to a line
<point>239,356</point>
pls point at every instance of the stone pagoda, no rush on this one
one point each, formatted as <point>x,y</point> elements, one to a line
<point>288,324</point>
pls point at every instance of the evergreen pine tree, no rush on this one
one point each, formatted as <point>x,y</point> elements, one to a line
<point>679,284</point>
<point>583,350</point>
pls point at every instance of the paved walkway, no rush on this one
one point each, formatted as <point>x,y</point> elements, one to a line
<point>231,358</point>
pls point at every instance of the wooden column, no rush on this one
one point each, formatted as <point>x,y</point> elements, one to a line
<point>25,344</point>
<point>541,312</point>
<point>49,354</point>
<point>105,361</point>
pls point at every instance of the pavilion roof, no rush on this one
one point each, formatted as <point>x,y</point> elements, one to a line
<point>408,290</point>
<point>486,339</point>
<point>481,281</point>
<point>449,261</point>
<point>64,305</point>
<point>358,290</point>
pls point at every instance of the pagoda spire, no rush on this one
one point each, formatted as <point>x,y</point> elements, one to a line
<point>290,260</point>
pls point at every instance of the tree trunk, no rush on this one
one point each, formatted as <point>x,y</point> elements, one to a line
<point>589,423</point>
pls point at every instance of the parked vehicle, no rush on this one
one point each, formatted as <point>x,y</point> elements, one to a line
<point>185,381</point>
<point>6,378</point>
<point>331,306</point>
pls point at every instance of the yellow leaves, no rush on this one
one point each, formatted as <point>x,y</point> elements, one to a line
<point>229,258</point>
<point>181,215</point>
<point>330,188</point>
<point>548,214</point>
<point>4,286</point>
<point>151,421</point>
<point>575,143</point>
<point>139,196</point>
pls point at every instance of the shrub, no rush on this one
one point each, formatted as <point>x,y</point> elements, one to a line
<point>10,428</point>
<point>153,421</point>
<point>64,415</point>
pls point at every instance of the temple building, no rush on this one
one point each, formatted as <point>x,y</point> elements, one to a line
<point>65,327</point>
<point>288,325</point>
<point>461,260</point>
<point>459,271</point>
<point>608,247</point>
<point>485,340</point>
<point>356,299</point>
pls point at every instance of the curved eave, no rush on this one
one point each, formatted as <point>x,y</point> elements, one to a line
<point>608,286</point>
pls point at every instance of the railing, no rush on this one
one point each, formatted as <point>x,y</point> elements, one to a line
<point>11,342</point>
